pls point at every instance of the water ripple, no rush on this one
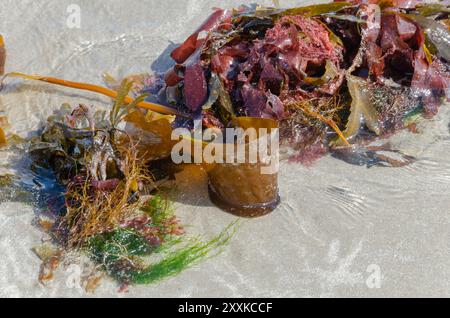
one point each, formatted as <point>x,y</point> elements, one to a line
<point>349,203</point>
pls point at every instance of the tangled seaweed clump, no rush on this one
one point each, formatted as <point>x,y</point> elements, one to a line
<point>114,210</point>
<point>259,62</point>
<point>333,77</point>
<point>381,63</point>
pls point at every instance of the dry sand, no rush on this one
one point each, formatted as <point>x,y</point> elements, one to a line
<point>337,223</point>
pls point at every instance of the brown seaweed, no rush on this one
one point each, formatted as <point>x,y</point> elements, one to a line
<point>323,72</point>
<point>2,56</point>
<point>242,188</point>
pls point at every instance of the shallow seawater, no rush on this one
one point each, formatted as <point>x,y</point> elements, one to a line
<point>338,224</point>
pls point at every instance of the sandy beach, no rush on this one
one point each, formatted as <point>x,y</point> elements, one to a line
<point>338,224</point>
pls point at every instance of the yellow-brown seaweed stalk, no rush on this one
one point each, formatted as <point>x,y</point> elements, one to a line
<point>2,55</point>
<point>97,89</point>
<point>328,121</point>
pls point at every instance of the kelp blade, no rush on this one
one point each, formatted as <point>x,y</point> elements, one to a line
<point>315,10</point>
<point>309,11</point>
<point>151,133</point>
<point>436,33</point>
<point>432,9</point>
<point>361,108</point>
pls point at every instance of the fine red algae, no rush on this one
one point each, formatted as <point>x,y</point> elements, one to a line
<point>318,72</point>
<point>268,61</point>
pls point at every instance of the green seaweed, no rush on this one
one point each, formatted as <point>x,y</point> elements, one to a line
<point>124,241</point>
<point>115,251</point>
<point>158,209</point>
<point>413,116</point>
<point>122,251</point>
<point>120,108</point>
<point>183,258</point>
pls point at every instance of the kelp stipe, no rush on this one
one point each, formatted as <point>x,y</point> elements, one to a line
<point>97,89</point>
<point>248,188</point>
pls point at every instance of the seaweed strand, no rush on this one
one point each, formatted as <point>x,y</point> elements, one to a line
<point>98,89</point>
<point>183,258</point>
<point>328,121</point>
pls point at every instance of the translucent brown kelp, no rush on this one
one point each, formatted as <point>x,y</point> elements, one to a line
<point>3,139</point>
<point>317,9</point>
<point>430,9</point>
<point>309,11</point>
<point>152,132</point>
<point>361,107</point>
<point>242,187</point>
<point>437,33</point>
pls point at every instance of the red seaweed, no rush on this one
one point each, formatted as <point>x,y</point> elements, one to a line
<point>185,50</point>
<point>195,87</point>
<point>267,60</point>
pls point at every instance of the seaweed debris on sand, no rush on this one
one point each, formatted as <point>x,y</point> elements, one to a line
<point>113,211</point>
<point>333,77</point>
